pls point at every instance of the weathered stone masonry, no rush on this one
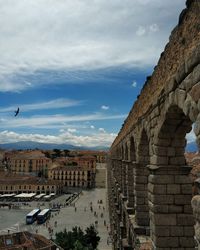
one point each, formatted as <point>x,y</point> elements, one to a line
<point>149,188</point>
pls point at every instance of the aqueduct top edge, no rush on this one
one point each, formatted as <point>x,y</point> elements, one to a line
<point>174,65</point>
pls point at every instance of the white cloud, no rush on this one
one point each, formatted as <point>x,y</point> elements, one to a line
<point>134,84</point>
<point>71,130</point>
<point>28,83</point>
<point>104,107</point>
<point>6,86</point>
<point>54,120</point>
<point>191,137</point>
<point>140,31</point>
<point>97,139</point>
<point>66,39</point>
<point>52,104</point>
<point>154,27</point>
<point>102,130</point>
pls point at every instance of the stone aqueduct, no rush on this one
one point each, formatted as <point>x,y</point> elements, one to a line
<point>149,188</point>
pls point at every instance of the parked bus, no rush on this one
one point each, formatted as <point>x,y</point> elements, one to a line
<point>43,216</point>
<point>32,216</point>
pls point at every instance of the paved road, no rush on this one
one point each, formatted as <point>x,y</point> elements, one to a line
<point>78,214</point>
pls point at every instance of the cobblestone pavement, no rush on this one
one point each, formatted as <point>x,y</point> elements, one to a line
<point>77,214</point>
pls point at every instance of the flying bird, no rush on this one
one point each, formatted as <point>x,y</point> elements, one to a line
<point>17,112</point>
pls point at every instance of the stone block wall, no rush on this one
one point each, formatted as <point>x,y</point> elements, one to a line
<point>149,188</point>
<point>196,211</point>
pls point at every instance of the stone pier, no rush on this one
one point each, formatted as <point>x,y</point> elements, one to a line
<point>149,188</point>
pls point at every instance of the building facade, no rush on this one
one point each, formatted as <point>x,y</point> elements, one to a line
<point>17,184</point>
<point>100,156</point>
<point>73,176</point>
<point>32,162</point>
<point>100,177</point>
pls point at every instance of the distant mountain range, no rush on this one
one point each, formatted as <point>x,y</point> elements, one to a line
<point>23,145</point>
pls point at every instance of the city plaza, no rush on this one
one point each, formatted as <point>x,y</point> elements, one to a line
<point>90,207</point>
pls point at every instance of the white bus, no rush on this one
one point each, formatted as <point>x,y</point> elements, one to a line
<point>43,215</point>
<point>32,216</point>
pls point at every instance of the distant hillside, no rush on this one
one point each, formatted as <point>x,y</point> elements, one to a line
<point>23,145</point>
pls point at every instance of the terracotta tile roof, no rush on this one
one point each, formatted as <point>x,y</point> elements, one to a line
<point>13,179</point>
<point>65,168</point>
<point>146,246</point>
<point>192,158</point>
<point>196,171</point>
<point>22,240</point>
<point>91,152</point>
<point>22,155</point>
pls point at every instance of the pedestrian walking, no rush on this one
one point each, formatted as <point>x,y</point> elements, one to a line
<point>107,241</point>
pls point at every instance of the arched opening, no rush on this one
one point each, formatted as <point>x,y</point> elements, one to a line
<point>125,171</point>
<point>113,162</point>
<point>170,187</point>
<point>131,165</point>
<point>131,173</point>
<point>119,172</point>
<point>141,180</point>
<point>132,154</point>
<point>126,152</point>
<point>123,152</point>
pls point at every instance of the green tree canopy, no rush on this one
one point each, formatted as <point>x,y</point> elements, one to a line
<point>57,152</point>
<point>77,239</point>
<point>66,152</point>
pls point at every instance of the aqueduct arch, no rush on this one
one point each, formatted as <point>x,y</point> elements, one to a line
<point>141,180</point>
<point>149,188</point>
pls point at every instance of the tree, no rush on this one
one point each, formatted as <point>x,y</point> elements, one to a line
<point>65,240</point>
<point>79,246</point>
<point>77,239</point>
<point>47,154</point>
<point>57,152</point>
<point>92,237</point>
<point>66,152</point>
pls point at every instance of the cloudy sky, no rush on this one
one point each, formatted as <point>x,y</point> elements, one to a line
<point>74,68</point>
